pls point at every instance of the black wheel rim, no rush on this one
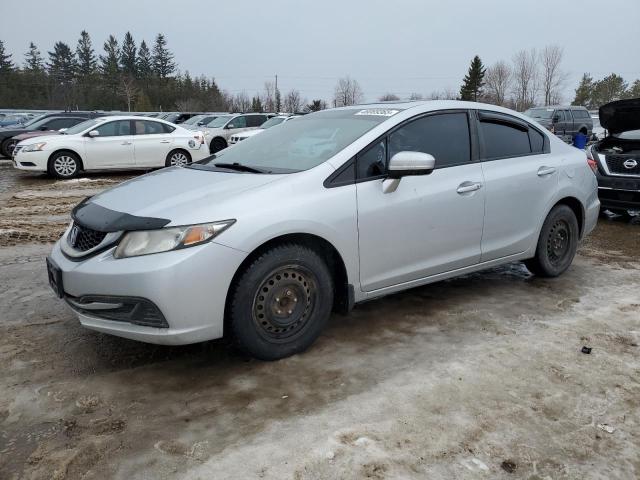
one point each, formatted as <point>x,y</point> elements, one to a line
<point>284,303</point>
<point>558,242</point>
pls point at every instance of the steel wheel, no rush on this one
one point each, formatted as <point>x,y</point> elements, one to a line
<point>178,159</point>
<point>284,302</point>
<point>65,166</point>
<point>558,241</point>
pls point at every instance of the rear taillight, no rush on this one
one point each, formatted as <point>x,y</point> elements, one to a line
<point>590,161</point>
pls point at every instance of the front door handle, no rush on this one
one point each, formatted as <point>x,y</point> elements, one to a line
<point>125,143</point>
<point>468,187</point>
<point>543,171</point>
<point>165,141</point>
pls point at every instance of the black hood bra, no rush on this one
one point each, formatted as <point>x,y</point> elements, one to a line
<point>621,115</point>
<point>102,219</point>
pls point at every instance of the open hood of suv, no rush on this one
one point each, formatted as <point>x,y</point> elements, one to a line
<point>621,116</point>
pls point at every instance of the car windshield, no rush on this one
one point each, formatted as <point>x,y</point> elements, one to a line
<point>35,119</point>
<point>299,145</point>
<point>219,122</point>
<point>82,126</point>
<point>272,122</point>
<point>539,112</point>
<point>193,120</point>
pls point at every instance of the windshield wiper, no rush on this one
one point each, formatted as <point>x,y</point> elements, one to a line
<point>239,167</point>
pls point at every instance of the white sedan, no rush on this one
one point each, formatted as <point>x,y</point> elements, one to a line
<point>111,143</point>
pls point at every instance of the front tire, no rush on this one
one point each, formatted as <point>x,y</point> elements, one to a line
<point>5,148</point>
<point>557,243</point>
<point>64,165</point>
<point>178,158</point>
<point>281,302</point>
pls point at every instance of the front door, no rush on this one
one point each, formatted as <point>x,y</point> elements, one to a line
<point>112,148</point>
<point>431,223</point>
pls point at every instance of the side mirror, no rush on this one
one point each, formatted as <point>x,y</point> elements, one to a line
<point>407,163</point>
<point>44,128</point>
<point>94,133</point>
<point>230,126</point>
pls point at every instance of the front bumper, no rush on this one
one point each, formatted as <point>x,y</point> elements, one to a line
<point>619,192</point>
<point>33,161</point>
<point>189,288</point>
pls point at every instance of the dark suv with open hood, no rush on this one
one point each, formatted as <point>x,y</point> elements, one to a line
<point>616,158</point>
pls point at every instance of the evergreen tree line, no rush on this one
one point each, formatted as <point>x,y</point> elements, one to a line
<point>124,76</point>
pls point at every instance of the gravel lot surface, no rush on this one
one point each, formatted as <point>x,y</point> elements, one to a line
<point>480,377</point>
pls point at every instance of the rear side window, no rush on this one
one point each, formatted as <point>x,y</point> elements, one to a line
<point>58,123</point>
<point>567,114</point>
<point>502,140</point>
<point>580,114</point>
<point>536,139</point>
<point>255,120</point>
<point>444,135</point>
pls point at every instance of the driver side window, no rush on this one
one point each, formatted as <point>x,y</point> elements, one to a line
<point>238,122</point>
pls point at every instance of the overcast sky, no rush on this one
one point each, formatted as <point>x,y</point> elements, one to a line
<point>398,46</point>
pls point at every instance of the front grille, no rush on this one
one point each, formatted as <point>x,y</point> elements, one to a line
<point>615,163</point>
<point>83,238</point>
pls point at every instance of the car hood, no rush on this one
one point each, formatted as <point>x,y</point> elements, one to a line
<point>179,195</point>
<point>621,116</point>
<point>11,131</point>
<point>40,133</point>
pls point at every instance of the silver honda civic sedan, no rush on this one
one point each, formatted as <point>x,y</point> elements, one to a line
<point>262,241</point>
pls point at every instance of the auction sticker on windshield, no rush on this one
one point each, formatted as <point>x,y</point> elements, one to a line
<point>381,112</point>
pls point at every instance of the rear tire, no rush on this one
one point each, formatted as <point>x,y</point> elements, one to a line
<point>281,302</point>
<point>64,165</point>
<point>557,243</point>
<point>178,158</point>
<point>217,144</point>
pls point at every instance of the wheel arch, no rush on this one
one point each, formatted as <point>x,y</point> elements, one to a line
<point>69,150</point>
<point>178,149</point>
<point>343,291</point>
<point>578,209</point>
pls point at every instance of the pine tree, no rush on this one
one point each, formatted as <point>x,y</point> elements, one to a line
<point>634,90</point>
<point>473,81</point>
<point>144,62</point>
<point>33,61</point>
<point>584,91</point>
<point>128,55</point>
<point>62,63</point>
<point>610,88</point>
<point>6,64</point>
<point>110,69</point>
<point>256,105</point>
<point>163,64</point>
<point>87,63</point>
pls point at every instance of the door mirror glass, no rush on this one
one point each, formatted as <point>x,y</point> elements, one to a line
<point>410,163</point>
<point>94,133</point>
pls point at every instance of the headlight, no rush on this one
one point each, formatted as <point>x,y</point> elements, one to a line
<point>145,242</point>
<point>34,147</point>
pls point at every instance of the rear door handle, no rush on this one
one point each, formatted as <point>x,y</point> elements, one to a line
<point>125,143</point>
<point>543,171</point>
<point>468,187</point>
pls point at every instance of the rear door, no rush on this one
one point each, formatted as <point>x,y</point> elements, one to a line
<point>152,142</point>
<point>521,179</point>
<point>431,223</point>
<point>112,148</point>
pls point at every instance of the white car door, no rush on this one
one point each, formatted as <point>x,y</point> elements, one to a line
<point>521,178</point>
<point>431,223</point>
<point>111,148</point>
<point>152,142</point>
